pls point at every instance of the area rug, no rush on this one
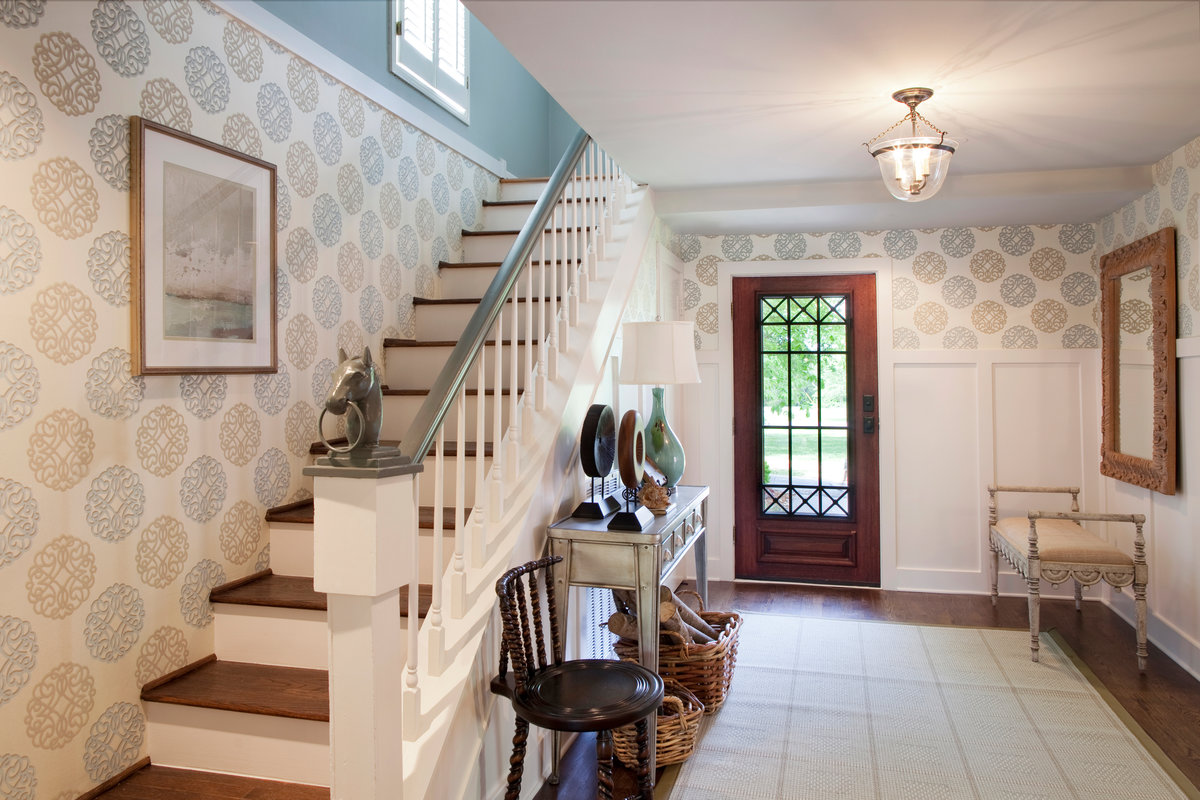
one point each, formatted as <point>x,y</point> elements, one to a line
<point>846,710</point>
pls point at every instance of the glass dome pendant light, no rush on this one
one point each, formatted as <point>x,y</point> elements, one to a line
<point>913,167</point>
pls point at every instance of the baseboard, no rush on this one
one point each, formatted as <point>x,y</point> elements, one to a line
<point>115,779</point>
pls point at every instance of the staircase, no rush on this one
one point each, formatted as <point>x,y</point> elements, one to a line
<point>497,470</point>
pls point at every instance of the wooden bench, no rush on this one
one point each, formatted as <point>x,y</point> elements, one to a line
<point>1053,545</point>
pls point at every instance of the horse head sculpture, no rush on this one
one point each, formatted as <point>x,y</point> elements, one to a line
<point>356,388</point>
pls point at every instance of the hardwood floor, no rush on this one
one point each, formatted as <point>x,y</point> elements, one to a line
<point>1165,700</point>
<point>164,783</point>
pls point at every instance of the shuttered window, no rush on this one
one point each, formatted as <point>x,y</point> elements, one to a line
<point>429,50</point>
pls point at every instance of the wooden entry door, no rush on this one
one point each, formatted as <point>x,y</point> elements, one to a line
<point>806,447</point>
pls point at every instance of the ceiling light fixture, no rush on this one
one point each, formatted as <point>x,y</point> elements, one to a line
<point>915,166</point>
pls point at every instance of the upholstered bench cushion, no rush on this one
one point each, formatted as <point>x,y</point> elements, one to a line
<point>1061,540</point>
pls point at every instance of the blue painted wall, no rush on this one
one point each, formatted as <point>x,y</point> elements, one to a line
<point>512,116</point>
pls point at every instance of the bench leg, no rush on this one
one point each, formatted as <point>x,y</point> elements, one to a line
<point>995,570</point>
<point>1078,596</point>
<point>1034,615</point>
<point>1139,604</point>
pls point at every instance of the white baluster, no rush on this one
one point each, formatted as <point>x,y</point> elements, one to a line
<point>513,438</point>
<point>527,398</point>
<point>549,364</point>
<point>437,633</point>
<point>496,482</point>
<point>478,527</point>
<point>563,334</point>
<point>458,576</point>
<point>412,689</point>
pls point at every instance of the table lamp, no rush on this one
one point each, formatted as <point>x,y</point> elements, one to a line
<point>659,354</point>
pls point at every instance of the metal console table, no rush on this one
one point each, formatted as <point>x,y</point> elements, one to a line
<point>592,555</point>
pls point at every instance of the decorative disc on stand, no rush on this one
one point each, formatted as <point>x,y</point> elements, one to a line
<point>631,463</point>
<point>597,449</point>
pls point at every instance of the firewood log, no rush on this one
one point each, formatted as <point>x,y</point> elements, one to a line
<point>687,614</point>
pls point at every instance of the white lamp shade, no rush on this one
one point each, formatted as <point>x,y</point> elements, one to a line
<point>658,353</point>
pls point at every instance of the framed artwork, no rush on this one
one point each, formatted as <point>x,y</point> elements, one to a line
<point>203,255</point>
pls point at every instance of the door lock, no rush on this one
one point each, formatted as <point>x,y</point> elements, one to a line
<point>868,425</point>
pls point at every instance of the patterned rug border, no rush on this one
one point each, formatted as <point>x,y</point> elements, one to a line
<point>670,775</point>
<point>1114,705</point>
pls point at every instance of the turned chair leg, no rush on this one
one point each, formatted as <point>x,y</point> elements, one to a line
<point>517,761</point>
<point>604,765</point>
<point>1034,615</point>
<point>645,779</point>
<point>995,571</point>
<point>1139,604</point>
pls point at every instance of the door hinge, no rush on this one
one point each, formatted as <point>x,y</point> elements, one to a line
<point>399,27</point>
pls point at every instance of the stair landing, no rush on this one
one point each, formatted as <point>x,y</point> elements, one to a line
<point>168,783</point>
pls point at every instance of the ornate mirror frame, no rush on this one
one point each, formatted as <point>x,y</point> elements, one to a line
<point>1157,253</point>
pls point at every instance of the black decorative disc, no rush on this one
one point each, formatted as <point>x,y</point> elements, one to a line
<point>598,441</point>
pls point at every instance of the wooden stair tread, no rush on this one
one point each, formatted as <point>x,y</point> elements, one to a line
<point>496,264</point>
<point>450,343</point>
<point>470,449</point>
<point>467,234</point>
<point>474,301</point>
<point>275,591</point>
<point>292,591</point>
<point>425,392</point>
<point>171,783</point>
<point>289,692</point>
<point>304,513</point>
<point>299,511</point>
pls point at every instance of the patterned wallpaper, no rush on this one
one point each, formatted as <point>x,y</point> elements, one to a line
<point>1173,202</point>
<point>1013,287</point>
<point>123,500</point>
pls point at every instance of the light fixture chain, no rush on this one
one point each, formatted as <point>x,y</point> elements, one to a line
<point>912,115</point>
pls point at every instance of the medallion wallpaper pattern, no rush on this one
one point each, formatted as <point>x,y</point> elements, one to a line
<point>1173,202</point>
<point>1016,287</point>
<point>123,499</point>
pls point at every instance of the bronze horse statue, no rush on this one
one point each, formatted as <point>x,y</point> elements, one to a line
<point>356,387</point>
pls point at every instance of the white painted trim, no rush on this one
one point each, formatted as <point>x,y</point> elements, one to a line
<point>720,544</point>
<point>1187,348</point>
<point>268,24</point>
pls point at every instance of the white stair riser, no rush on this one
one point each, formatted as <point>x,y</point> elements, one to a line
<point>425,569</point>
<point>512,218</point>
<point>466,281</point>
<point>494,247</point>
<point>418,367</point>
<point>256,745</point>
<point>425,490</point>
<point>285,637</point>
<point>399,411</point>
<point>532,190</point>
<point>292,549</point>
<point>446,322</point>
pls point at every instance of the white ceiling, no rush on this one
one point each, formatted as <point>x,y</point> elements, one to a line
<point>749,115</point>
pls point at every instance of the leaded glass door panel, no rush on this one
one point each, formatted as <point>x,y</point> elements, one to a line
<point>806,453</point>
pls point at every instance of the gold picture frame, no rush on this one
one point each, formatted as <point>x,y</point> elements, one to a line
<point>202,255</point>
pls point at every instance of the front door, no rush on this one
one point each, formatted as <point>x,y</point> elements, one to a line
<point>806,448</point>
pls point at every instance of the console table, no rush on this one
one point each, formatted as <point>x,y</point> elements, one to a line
<point>592,555</point>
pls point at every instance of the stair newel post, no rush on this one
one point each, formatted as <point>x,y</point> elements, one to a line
<point>363,530</point>
<point>513,438</point>
<point>411,704</point>
<point>437,632</point>
<point>458,575</point>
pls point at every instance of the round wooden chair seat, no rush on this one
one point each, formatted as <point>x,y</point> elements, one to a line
<point>589,695</point>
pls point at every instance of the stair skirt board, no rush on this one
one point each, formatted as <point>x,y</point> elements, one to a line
<point>254,745</point>
<point>291,549</point>
<point>285,637</point>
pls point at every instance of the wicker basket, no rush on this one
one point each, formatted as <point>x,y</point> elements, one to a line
<point>675,737</point>
<point>705,669</point>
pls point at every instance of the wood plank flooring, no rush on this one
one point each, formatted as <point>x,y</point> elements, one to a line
<point>166,783</point>
<point>1165,700</point>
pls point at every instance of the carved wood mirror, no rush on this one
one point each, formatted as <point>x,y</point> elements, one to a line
<point>1137,305</point>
